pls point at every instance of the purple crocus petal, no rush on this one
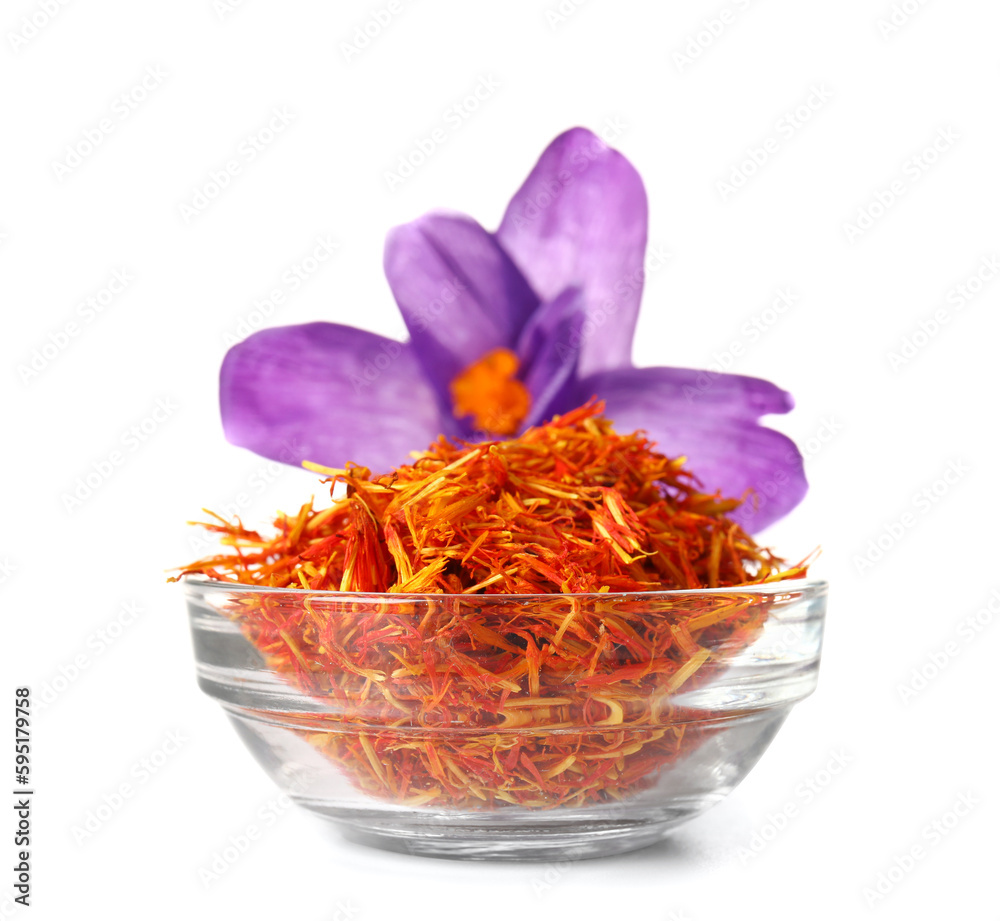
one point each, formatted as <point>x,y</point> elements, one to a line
<point>580,220</point>
<point>712,420</point>
<point>329,394</point>
<point>459,292</point>
<point>549,350</point>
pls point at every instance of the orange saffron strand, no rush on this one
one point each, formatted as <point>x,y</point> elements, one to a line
<point>566,700</point>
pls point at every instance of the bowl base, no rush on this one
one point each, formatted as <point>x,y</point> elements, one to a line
<point>475,837</point>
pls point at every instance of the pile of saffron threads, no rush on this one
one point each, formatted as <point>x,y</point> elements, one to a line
<point>464,698</point>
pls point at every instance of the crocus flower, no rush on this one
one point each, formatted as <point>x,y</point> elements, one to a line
<point>506,330</point>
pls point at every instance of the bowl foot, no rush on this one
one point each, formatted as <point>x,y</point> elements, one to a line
<point>475,837</point>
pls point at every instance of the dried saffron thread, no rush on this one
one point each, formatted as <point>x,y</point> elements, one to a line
<point>560,700</point>
<point>570,507</point>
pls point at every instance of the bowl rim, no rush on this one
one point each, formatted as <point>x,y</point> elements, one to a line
<point>814,587</point>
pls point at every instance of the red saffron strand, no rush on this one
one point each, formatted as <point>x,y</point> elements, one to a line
<point>561,700</point>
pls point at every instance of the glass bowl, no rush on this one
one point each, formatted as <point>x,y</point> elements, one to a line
<point>506,726</point>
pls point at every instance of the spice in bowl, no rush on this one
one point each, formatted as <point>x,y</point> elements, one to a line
<point>568,508</point>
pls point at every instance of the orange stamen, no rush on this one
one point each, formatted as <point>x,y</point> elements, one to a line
<point>489,391</point>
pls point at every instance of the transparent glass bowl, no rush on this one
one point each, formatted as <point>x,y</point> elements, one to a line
<point>438,725</point>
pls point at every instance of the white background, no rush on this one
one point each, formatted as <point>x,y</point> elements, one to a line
<point>876,435</point>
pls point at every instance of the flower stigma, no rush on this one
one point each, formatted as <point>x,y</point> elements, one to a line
<point>488,390</point>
